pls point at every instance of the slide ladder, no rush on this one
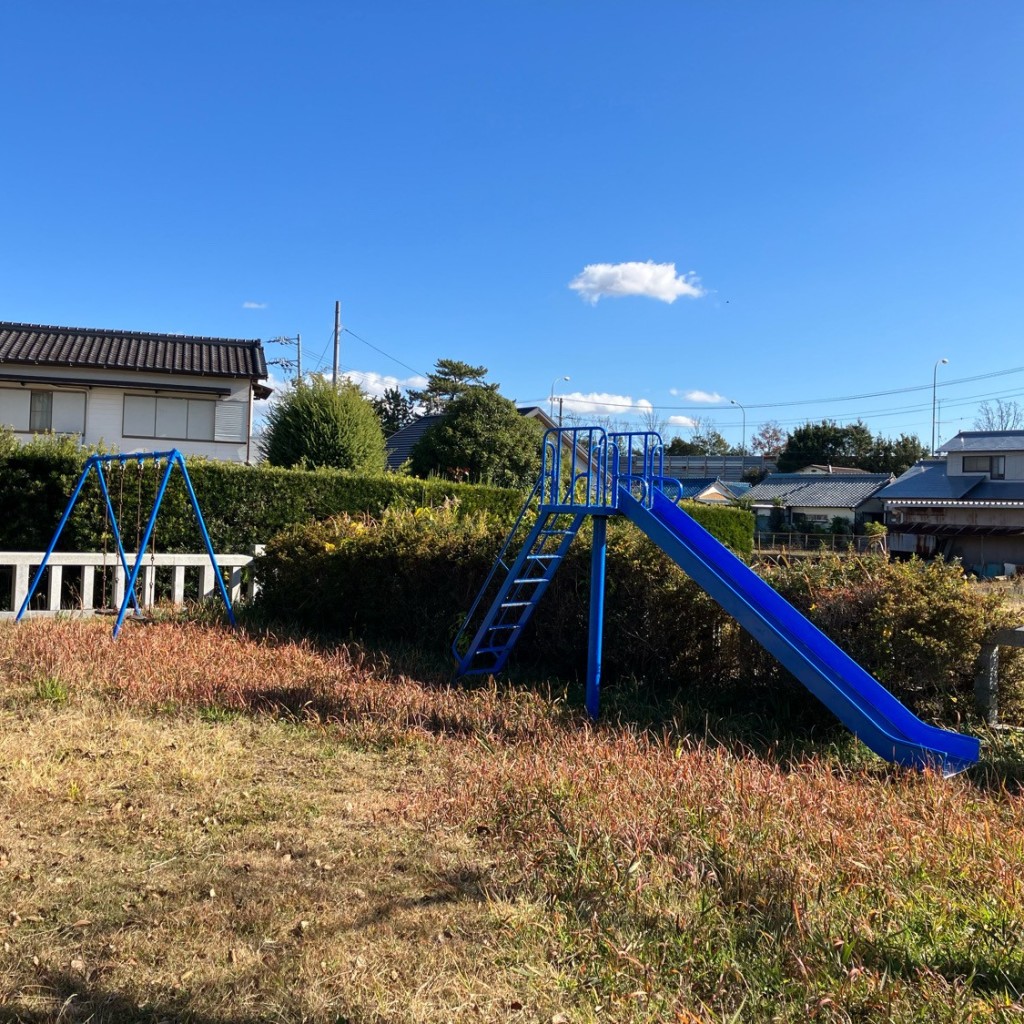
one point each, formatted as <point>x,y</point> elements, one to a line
<point>519,590</point>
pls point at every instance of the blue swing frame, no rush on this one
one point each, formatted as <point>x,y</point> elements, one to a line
<point>97,462</point>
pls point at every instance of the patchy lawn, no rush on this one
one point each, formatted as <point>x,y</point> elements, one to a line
<point>199,825</point>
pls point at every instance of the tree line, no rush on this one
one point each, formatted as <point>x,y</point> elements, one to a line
<point>481,438</point>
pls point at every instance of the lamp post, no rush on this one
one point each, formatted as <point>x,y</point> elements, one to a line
<point>935,381</point>
<point>743,438</point>
<point>551,400</point>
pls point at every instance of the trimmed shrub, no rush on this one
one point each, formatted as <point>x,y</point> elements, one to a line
<point>242,505</point>
<point>317,424</point>
<point>733,526</point>
<point>412,575</point>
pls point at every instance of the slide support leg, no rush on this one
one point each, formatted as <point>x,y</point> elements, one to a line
<point>597,567</point>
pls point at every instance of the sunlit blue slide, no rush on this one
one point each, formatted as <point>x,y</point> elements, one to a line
<point>860,702</point>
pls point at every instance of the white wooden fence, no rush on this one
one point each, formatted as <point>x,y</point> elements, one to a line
<point>18,567</point>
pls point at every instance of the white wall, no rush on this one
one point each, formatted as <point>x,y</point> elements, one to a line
<point>1014,464</point>
<point>104,411</point>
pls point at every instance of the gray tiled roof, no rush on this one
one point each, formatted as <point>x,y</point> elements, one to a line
<point>985,441</point>
<point>928,479</point>
<point>926,482</point>
<point>692,486</point>
<point>84,347</point>
<point>401,443</point>
<point>818,490</point>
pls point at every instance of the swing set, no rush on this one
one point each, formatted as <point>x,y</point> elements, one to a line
<point>113,527</point>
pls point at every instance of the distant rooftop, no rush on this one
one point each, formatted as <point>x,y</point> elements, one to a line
<point>926,483</point>
<point>985,441</point>
<point>844,490</point>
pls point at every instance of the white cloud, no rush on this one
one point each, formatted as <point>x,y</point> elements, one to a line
<point>254,305</point>
<point>375,384</point>
<point>604,403</point>
<point>711,397</point>
<point>652,280</point>
<point>681,421</point>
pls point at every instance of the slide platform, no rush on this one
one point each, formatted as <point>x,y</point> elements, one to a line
<point>859,701</point>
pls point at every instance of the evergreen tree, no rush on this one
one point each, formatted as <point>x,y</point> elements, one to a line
<point>316,424</point>
<point>827,443</point>
<point>482,439</point>
<point>451,378</point>
<point>394,410</point>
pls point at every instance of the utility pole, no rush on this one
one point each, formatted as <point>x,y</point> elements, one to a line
<point>289,364</point>
<point>337,341</point>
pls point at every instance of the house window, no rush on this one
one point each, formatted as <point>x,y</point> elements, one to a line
<point>62,412</point>
<point>179,419</point>
<point>40,411</point>
<point>993,465</point>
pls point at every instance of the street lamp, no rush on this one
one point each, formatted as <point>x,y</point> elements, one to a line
<point>935,380</point>
<point>743,438</point>
<point>551,400</point>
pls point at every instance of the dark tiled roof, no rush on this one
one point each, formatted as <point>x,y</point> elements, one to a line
<point>81,347</point>
<point>693,486</point>
<point>818,490</point>
<point>986,441</point>
<point>926,482</point>
<point>401,443</point>
<point>928,479</point>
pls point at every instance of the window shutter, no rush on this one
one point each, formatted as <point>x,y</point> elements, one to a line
<point>231,423</point>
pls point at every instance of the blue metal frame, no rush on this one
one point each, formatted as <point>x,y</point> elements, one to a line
<point>97,462</point>
<point>585,471</point>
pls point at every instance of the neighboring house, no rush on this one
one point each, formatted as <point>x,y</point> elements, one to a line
<point>710,490</point>
<point>816,499</point>
<point>131,391</point>
<point>968,505</point>
<point>401,443</point>
<point>831,470</point>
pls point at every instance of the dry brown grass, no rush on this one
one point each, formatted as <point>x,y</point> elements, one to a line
<point>221,868</point>
<point>465,855</point>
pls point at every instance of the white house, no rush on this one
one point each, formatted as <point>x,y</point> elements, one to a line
<point>968,505</point>
<point>132,391</point>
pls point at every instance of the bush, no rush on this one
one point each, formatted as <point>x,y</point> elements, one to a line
<point>481,438</point>
<point>412,575</point>
<point>317,424</point>
<point>916,626</point>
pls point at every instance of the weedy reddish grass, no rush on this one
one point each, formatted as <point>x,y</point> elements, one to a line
<point>679,878</point>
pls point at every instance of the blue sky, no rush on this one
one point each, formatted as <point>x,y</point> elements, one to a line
<point>836,186</point>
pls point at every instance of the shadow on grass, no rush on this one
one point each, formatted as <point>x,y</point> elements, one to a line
<point>74,1000</point>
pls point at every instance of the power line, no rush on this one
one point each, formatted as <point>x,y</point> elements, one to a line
<point>387,355</point>
<point>810,401</point>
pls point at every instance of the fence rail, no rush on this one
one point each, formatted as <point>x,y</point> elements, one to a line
<point>86,582</point>
<point>773,542</point>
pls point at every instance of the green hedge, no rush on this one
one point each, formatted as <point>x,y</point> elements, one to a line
<point>242,505</point>
<point>733,526</point>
